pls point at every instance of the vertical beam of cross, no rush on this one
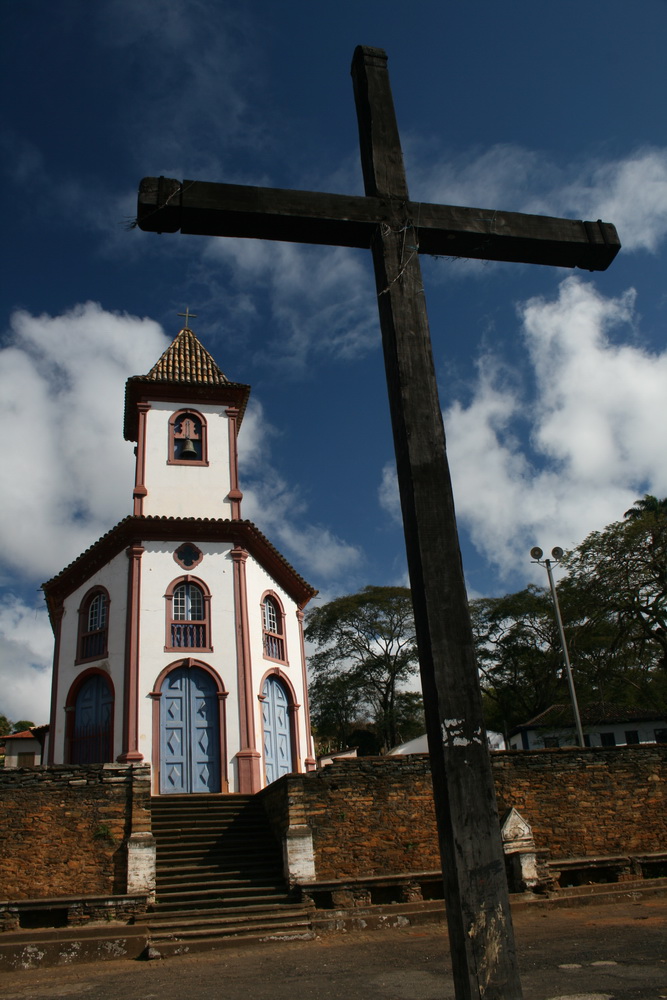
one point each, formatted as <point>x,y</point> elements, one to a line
<point>478,915</point>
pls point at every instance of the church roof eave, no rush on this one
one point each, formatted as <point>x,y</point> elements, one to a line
<point>184,372</point>
<point>139,388</point>
<point>136,528</point>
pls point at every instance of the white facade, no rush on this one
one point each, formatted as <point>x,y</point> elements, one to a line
<point>602,734</point>
<point>179,633</point>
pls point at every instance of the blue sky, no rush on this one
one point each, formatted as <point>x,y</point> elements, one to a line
<point>553,383</point>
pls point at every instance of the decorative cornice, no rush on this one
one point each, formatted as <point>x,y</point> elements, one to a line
<point>137,529</point>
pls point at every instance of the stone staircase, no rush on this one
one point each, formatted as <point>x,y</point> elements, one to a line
<point>219,876</point>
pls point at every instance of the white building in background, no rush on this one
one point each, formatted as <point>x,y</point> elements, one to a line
<point>178,634</point>
<point>603,726</point>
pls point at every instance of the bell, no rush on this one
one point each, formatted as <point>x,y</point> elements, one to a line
<point>188,450</point>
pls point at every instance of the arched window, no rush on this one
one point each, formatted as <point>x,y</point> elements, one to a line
<point>273,628</point>
<point>188,615</point>
<point>187,438</point>
<point>93,625</point>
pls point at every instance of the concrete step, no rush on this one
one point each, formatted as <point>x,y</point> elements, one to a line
<point>195,902</point>
<point>166,948</point>
<point>173,918</point>
<point>204,925</point>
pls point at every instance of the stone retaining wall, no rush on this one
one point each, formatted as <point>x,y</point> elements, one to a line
<point>65,829</point>
<point>374,815</point>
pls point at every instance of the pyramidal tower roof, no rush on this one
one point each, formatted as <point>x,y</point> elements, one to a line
<point>185,373</point>
<point>187,360</point>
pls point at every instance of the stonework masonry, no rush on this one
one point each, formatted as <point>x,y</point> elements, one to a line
<point>84,830</point>
<point>374,816</point>
<point>66,828</point>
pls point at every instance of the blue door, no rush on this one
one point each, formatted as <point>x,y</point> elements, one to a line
<point>189,732</point>
<point>277,734</point>
<point>91,741</point>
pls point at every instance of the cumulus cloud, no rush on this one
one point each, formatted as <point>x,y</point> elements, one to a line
<point>62,381</point>
<point>598,429</point>
<point>549,465</point>
<point>279,509</point>
<point>321,298</point>
<point>26,651</point>
<point>630,192</point>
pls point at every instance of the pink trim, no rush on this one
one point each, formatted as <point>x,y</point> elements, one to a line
<point>178,560</point>
<point>248,757</point>
<point>293,709</point>
<point>282,635</point>
<point>82,612</point>
<point>56,618</point>
<point>204,439</point>
<point>234,495</point>
<point>310,761</point>
<point>130,750</point>
<point>156,694</point>
<point>70,708</point>
<point>140,490</point>
<point>206,621</point>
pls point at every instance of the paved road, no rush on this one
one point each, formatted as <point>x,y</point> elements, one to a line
<point>614,952</point>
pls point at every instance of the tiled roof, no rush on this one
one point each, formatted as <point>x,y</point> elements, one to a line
<point>186,360</point>
<point>186,372</point>
<point>591,715</point>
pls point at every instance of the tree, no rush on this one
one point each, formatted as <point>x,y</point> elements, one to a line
<point>518,656</point>
<point>366,649</point>
<point>619,576</point>
<point>614,608</point>
<point>22,725</point>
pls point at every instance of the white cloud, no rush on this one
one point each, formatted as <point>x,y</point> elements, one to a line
<point>279,509</point>
<point>388,496</point>
<point>630,192</point>
<point>26,651</point>
<point>321,297</point>
<point>69,477</point>
<point>598,423</point>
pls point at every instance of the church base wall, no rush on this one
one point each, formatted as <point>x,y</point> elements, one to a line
<point>374,816</point>
<point>73,830</point>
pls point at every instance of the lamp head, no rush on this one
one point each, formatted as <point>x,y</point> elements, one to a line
<point>536,553</point>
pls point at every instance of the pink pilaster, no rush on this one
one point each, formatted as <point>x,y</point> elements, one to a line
<point>56,618</point>
<point>130,751</point>
<point>140,490</point>
<point>234,495</point>
<point>248,758</point>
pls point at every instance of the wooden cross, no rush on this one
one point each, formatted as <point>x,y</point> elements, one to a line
<point>188,316</point>
<point>397,231</point>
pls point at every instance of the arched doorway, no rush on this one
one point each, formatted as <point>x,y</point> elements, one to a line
<point>189,732</point>
<point>91,733</point>
<point>277,730</point>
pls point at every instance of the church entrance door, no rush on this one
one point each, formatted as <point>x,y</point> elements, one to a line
<point>277,732</point>
<point>189,732</point>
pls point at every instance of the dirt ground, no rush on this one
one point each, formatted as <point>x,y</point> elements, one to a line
<point>612,952</point>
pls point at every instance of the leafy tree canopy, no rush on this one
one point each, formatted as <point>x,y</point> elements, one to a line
<point>614,608</point>
<point>366,649</point>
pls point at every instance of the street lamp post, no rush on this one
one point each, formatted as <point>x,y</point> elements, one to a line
<point>557,554</point>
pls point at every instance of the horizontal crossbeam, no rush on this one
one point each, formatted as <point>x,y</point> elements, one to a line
<point>201,208</point>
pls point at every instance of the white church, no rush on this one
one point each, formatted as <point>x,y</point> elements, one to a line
<point>178,634</point>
